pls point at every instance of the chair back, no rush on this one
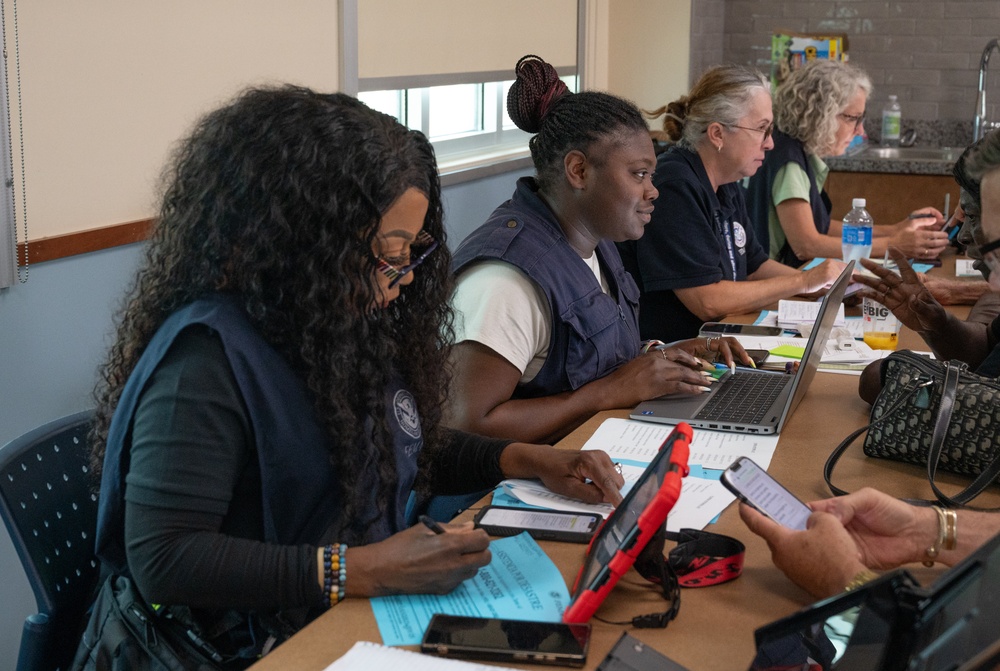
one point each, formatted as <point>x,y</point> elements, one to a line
<point>48,502</point>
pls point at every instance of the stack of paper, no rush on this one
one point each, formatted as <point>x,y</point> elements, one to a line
<point>793,314</point>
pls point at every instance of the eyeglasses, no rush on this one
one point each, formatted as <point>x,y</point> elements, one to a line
<point>856,119</point>
<point>766,130</point>
<point>396,267</point>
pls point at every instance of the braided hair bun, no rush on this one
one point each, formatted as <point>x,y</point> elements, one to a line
<point>532,95</point>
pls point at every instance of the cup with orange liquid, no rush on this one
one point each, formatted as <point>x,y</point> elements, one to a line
<point>881,328</point>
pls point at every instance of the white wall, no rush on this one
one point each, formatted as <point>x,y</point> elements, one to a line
<point>109,85</point>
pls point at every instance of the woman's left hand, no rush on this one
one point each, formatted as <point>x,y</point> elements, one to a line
<point>587,475</point>
<point>724,349</point>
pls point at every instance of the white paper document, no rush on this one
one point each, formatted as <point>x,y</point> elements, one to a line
<point>639,441</point>
<point>365,656</point>
<point>701,499</point>
<point>793,313</point>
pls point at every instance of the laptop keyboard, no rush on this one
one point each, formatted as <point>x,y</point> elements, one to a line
<point>744,398</point>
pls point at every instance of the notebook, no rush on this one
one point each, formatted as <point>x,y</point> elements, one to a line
<point>748,400</point>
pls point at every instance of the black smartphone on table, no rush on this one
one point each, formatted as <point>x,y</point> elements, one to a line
<point>721,328</point>
<point>499,640</point>
<point>752,485</point>
<point>546,525</point>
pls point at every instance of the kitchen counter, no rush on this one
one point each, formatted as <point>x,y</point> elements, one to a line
<point>863,161</point>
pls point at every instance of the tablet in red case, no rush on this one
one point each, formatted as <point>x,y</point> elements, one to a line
<point>627,531</point>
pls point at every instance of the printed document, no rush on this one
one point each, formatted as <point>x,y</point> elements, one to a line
<point>520,583</point>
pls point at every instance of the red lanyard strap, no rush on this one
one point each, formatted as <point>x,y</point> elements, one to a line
<point>703,558</point>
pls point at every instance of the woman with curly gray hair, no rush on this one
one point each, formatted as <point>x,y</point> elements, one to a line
<point>699,259</point>
<point>818,110</point>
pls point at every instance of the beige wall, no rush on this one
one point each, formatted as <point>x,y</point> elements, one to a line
<point>463,36</point>
<point>109,85</point>
<point>649,50</point>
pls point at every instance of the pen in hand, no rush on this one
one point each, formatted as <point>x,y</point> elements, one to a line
<point>431,524</point>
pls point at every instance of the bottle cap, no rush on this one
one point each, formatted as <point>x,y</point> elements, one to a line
<point>859,202</point>
<point>892,97</point>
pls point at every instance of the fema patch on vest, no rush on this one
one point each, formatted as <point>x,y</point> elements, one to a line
<point>405,407</point>
<point>739,235</point>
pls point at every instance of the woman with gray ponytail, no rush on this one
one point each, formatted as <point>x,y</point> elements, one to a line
<point>699,259</point>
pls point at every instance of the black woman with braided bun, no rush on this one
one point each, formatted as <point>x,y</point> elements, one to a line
<point>274,392</point>
<point>546,330</point>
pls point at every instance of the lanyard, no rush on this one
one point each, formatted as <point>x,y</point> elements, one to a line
<point>727,234</point>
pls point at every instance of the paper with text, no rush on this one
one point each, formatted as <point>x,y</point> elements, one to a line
<point>520,583</point>
<point>365,656</point>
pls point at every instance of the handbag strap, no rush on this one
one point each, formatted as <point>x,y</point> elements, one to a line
<point>838,451</point>
<point>946,407</point>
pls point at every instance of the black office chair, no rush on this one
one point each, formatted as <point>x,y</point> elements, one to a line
<point>48,503</point>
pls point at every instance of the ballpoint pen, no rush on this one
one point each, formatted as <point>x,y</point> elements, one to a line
<point>431,524</point>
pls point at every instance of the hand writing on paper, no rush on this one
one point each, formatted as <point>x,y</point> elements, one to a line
<point>589,475</point>
<point>417,561</point>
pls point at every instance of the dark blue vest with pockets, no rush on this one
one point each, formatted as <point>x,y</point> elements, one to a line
<point>297,478</point>
<point>593,333</point>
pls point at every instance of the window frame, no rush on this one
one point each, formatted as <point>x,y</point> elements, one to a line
<point>459,159</point>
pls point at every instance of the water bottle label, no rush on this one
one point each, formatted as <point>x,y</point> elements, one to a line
<point>891,125</point>
<point>857,235</point>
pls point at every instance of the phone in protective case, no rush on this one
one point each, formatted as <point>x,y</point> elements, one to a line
<point>752,485</point>
<point>546,525</point>
<point>726,329</point>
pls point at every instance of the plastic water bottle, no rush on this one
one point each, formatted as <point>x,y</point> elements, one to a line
<point>892,123</point>
<point>856,236</point>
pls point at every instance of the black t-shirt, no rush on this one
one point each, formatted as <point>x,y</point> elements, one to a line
<point>696,237</point>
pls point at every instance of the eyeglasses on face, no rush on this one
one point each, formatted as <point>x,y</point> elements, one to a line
<point>766,130</point>
<point>856,119</point>
<point>396,267</point>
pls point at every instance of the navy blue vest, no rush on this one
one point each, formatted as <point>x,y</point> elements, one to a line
<point>592,333</point>
<point>786,150</point>
<point>297,478</point>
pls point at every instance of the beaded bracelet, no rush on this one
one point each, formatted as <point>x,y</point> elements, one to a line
<point>334,573</point>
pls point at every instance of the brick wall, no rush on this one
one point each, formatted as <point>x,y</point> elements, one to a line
<point>925,51</point>
<point>708,18</point>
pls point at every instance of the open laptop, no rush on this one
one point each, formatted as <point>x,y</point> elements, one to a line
<point>752,401</point>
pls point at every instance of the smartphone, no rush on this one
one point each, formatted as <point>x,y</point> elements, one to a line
<point>547,525</point>
<point>720,328</point>
<point>496,640</point>
<point>756,355</point>
<point>754,486</point>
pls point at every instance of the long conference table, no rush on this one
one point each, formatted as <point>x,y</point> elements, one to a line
<point>714,628</point>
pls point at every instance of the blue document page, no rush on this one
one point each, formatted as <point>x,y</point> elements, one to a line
<point>520,583</point>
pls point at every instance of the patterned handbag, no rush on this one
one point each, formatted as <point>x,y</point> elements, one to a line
<point>936,414</point>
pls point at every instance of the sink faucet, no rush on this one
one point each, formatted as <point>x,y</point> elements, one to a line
<point>980,126</point>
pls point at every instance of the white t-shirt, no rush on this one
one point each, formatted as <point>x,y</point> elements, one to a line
<point>500,307</point>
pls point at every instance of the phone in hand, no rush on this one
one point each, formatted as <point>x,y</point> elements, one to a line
<point>498,640</point>
<point>720,328</point>
<point>547,525</point>
<point>752,485</point>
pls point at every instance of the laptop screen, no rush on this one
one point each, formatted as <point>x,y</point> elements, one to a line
<point>816,344</point>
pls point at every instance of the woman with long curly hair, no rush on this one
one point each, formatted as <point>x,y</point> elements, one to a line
<point>818,110</point>
<point>275,389</point>
<point>548,333</point>
<point>700,259</point>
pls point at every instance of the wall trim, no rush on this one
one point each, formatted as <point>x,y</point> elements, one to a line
<point>82,242</point>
